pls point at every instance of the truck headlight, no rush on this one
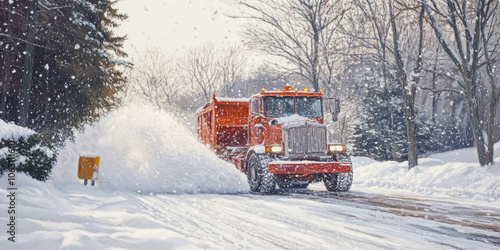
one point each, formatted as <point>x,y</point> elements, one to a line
<point>336,148</point>
<point>275,149</point>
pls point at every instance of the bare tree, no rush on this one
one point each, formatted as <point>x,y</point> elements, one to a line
<point>408,83</point>
<point>233,64</point>
<point>385,34</point>
<point>214,69</point>
<point>300,32</point>
<point>155,78</point>
<point>471,29</point>
<point>28,64</point>
<point>368,27</point>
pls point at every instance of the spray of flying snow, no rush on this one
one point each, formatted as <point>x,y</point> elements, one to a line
<point>143,149</point>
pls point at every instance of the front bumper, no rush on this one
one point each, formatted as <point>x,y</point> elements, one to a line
<point>308,167</point>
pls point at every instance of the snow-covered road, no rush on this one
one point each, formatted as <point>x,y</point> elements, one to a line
<point>82,218</point>
<point>318,219</point>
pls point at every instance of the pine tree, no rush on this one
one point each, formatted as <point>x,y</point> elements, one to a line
<point>73,68</point>
<point>381,131</point>
<point>76,69</point>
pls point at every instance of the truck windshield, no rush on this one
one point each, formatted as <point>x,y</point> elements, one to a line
<point>279,106</point>
<point>309,106</point>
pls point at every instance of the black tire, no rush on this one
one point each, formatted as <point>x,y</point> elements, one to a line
<point>259,178</point>
<point>340,182</point>
<point>85,182</point>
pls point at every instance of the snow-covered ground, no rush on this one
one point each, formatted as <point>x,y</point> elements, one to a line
<point>158,188</point>
<point>454,174</point>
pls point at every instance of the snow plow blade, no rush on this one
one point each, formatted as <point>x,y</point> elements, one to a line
<point>308,167</point>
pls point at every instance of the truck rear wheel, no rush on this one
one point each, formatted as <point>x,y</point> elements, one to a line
<point>259,178</point>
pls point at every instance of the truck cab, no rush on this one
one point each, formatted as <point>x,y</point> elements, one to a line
<point>274,113</point>
<point>286,141</point>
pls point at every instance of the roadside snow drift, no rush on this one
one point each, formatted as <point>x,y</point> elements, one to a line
<point>143,149</point>
<point>455,174</point>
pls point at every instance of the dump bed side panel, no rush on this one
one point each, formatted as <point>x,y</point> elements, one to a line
<point>205,126</point>
<point>224,126</point>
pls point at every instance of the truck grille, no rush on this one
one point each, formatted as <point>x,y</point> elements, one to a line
<point>305,139</point>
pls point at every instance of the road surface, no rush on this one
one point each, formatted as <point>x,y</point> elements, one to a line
<point>312,219</point>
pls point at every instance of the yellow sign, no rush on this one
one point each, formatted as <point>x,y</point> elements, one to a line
<point>88,168</point>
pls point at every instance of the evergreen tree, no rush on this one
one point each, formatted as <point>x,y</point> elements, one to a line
<point>381,132</point>
<point>74,51</point>
<point>79,67</point>
<point>73,68</point>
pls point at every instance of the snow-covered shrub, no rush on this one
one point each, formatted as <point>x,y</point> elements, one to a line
<point>39,157</point>
<point>26,150</point>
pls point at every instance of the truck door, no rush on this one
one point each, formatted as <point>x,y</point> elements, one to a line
<point>256,128</point>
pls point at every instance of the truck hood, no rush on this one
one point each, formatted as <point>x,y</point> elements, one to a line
<point>283,121</point>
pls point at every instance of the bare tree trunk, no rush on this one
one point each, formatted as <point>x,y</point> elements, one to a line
<point>383,46</point>
<point>409,90</point>
<point>435,95</point>
<point>470,75</point>
<point>28,66</point>
<point>473,113</point>
<point>6,82</point>
<point>315,50</point>
<point>465,61</point>
<point>493,92</point>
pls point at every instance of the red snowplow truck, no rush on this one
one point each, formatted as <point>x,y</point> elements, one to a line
<point>276,137</point>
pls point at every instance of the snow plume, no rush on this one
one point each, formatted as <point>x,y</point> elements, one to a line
<point>146,150</point>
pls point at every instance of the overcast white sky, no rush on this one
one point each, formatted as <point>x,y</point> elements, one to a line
<point>175,24</point>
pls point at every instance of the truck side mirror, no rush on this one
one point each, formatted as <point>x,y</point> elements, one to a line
<point>336,110</point>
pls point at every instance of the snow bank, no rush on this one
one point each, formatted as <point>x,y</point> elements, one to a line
<point>452,174</point>
<point>143,149</point>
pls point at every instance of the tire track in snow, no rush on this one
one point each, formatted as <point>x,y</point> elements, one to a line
<point>271,222</point>
<point>484,219</point>
<point>223,225</point>
<point>310,219</point>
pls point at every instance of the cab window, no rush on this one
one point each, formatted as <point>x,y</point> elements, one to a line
<point>254,106</point>
<point>309,106</point>
<point>279,106</point>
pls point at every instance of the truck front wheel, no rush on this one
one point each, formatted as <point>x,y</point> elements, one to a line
<point>340,182</point>
<point>259,178</point>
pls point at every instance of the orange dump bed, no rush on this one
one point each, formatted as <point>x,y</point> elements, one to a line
<point>223,125</point>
